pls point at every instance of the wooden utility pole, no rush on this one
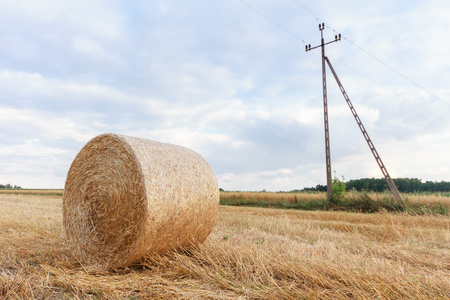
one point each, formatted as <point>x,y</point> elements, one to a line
<point>390,182</point>
<point>325,108</point>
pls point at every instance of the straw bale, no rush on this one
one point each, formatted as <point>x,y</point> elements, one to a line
<point>127,198</point>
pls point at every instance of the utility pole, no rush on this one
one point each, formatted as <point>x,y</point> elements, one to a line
<point>390,182</point>
<point>325,106</point>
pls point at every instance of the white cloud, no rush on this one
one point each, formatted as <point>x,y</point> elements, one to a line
<point>90,48</point>
<point>223,80</point>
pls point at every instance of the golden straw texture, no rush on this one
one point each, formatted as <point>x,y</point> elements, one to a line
<point>126,198</point>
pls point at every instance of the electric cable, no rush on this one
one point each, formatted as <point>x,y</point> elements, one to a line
<point>273,22</point>
<point>397,72</point>
<point>319,19</point>
<point>385,87</point>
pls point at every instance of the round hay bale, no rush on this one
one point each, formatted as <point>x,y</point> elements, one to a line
<point>126,198</point>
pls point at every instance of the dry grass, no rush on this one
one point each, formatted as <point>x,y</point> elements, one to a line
<point>429,199</point>
<point>252,253</point>
<point>37,192</point>
<point>307,196</point>
<point>437,203</point>
<point>281,196</point>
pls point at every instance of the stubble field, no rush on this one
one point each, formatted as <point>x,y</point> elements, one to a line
<point>252,253</point>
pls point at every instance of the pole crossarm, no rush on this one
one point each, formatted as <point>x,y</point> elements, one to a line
<point>390,182</point>
<point>309,48</point>
<point>337,38</point>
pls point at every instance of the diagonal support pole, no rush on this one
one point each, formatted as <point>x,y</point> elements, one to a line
<point>390,182</point>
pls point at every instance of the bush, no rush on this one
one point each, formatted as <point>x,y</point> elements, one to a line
<point>338,189</point>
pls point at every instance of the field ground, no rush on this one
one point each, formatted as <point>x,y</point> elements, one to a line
<point>252,253</point>
<point>423,203</point>
<point>37,192</point>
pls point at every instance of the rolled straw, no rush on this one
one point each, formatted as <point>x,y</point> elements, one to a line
<point>126,198</point>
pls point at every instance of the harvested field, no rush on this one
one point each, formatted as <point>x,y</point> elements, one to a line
<point>252,253</point>
<point>36,192</point>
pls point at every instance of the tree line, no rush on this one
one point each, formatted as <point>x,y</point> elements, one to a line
<point>9,186</point>
<point>404,185</point>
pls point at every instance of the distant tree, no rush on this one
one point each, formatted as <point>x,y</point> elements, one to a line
<point>9,186</point>
<point>428,186</point>
<point>404,185</point>
<point>317,188</point>
<point>443,186</point>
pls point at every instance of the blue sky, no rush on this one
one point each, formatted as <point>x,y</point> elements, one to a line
<point>230,80</point>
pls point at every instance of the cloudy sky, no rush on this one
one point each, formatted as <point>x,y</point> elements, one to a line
<point>230,80</point>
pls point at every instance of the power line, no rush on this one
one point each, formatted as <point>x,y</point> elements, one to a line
<point>398,73</point>
<point>273,22</point>
<point>385,87</point>
<point>318,18</point>
<point>309,11</point>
